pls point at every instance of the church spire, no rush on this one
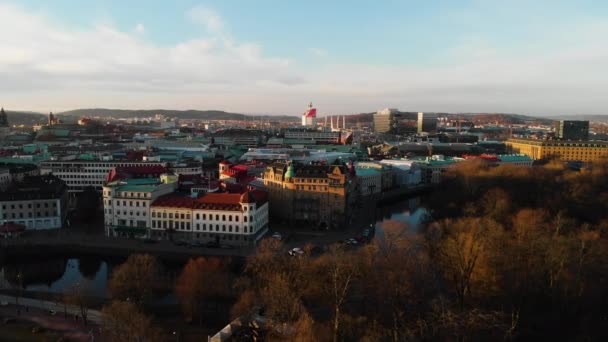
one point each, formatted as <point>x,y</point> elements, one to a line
<point>3,118</point>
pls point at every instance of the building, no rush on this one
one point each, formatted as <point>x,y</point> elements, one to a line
<point>309,117</point>
<point>370,181</point>
<point>567,150</point>
<point>305,136</point>
<point>234,136</point>
<point>37,202</point>
<point>315,195</point>
<point>392,121</point>
<point>237,219</point>
<point>572,129</point>
<point>127,203</point>
<point>5,178</point>
<point>427,123</point>
<point>5,128</point>
<point>79,174</point>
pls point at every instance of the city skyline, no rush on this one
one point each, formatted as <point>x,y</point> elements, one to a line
<point>465,56</point>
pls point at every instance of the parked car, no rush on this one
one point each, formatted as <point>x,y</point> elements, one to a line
<point>296,251</point>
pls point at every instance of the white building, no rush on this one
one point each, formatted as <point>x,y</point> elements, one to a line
<point>214,217</point>
<point>79,174</point>
<point>127,203</point>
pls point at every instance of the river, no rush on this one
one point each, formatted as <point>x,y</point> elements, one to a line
<point>59,274</point>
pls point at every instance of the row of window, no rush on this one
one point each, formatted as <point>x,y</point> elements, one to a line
<point>143,204</point>
<point>29,206</point>
<point>29,215</point>
<point>170,215</point>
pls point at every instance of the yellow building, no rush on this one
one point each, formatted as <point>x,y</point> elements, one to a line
<point>318,195</point>
<point>569,150</point>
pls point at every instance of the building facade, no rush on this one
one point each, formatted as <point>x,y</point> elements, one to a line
<point>79,174</point>
<point>127,203</point>
<point>315,195</point>
<point>572,129</point>
<point>392,121</point>
<point>221,218</point>
<point>567,150</point>
<point>37,202</point>
<point>427,123</point>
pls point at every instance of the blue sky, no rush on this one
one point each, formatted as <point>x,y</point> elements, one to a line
<point>535,57</point>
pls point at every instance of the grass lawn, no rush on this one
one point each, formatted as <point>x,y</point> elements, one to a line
<point>22,332</point>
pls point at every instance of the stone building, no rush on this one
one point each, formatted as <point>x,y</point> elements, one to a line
<point>315,195</point>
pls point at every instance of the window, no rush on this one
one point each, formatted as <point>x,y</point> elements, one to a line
<point>223,227</point>
<point>223,217</point>
<point>236,218</point>
<point>236,229</point>
<point>198,226</point>
<point>217,217</point>
<point>164,215</point>
<point>204,227</point>
<point>198,216</point>
<point>181,216</point>
<point>187,216</point>
<point>217,227</point>
<point>204,216</point>
<point>170,215</point>
<point>245,219</point>
<point>229,218</point>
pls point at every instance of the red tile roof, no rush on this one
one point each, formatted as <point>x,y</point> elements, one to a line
<point>174,201</point>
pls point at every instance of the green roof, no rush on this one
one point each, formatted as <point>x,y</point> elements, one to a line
<point>514,157</point>
<point>366,171</point>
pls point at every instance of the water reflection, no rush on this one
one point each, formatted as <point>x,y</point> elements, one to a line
<point>57,274</point>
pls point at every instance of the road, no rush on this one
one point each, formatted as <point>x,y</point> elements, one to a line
<point>92,315</point>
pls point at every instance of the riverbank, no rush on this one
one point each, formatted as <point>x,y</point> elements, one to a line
<point>66,242</point>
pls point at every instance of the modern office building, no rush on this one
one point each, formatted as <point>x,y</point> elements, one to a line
<point>392,121</point>
<point>572,129</point>
<point>567,150</point>
<point>313,136</point>
<point>315,195</point>
<point>36,202</point>
<point>79,174</point>
<point>427,123</point>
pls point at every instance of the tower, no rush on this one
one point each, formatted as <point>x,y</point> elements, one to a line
<point>310,116</point>
<point>4,126</point>
<point>3,118</point>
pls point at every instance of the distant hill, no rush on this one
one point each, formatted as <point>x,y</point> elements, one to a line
<point>179,114</point>
<point>25,118</point>
<point>589,117</point>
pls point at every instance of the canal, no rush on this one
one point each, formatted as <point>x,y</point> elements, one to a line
<point>58,274</point>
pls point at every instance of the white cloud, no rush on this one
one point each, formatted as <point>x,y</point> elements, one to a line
<point>318,52</point>
<point>140,28</point>
<point>44,65</point>
<point>208,18</point>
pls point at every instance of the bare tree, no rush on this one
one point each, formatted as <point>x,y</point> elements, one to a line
<point>137,279</point>
<point>123,322</point>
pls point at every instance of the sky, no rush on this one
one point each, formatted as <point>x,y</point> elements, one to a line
<point>542,57</point>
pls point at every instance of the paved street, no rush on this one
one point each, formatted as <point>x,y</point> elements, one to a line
<point>38,312</point>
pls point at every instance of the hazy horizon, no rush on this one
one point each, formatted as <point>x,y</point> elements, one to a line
<point>539,59</point>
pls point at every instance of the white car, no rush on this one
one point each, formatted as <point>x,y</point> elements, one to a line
<point>296,251</point>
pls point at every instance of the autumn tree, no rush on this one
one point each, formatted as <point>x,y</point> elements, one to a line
<point>202,279</point>
<point>79,295</point>
<point>123,322</point>
<point>464,254</point>
<point>137,279</point>
<point>337,270</point>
